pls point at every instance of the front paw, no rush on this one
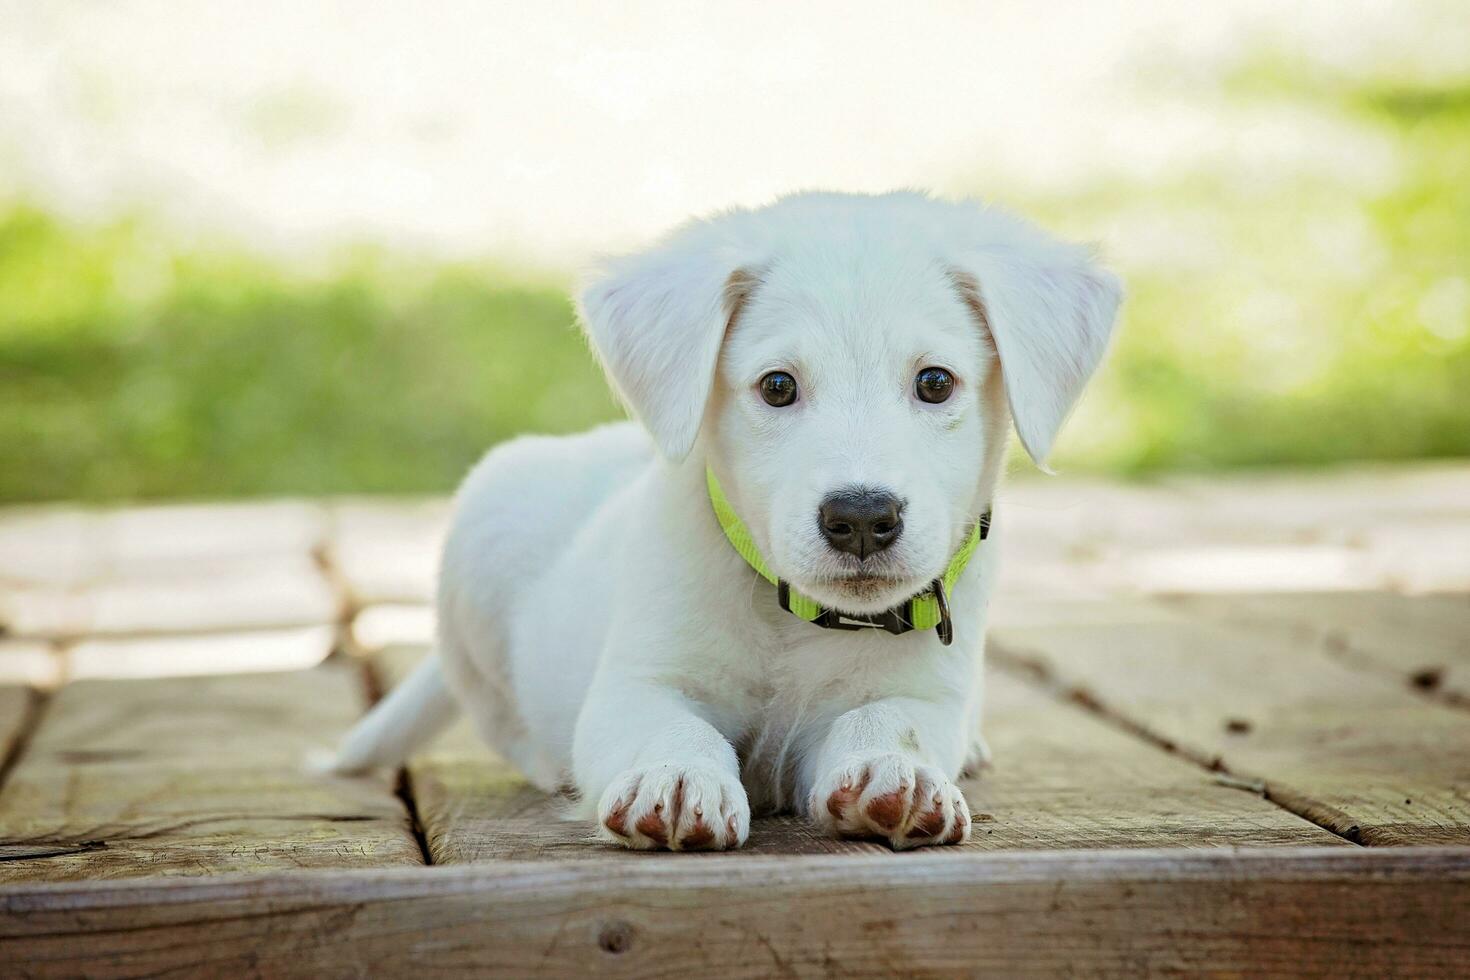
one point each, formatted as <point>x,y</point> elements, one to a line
<point>891,798</point>
<point>676,808</point>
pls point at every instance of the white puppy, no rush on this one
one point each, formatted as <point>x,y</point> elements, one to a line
<point>838,372</point>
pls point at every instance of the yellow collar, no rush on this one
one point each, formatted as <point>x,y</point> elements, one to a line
<point>927,610</point>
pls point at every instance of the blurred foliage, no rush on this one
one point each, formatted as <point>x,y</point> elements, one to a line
<point>127,371</point>
<point>1296,319</point>
<point>1292,319</point>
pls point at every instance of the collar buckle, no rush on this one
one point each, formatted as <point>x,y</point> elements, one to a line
<point>897,621</point>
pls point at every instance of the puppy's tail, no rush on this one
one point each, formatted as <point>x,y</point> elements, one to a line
<point>412,713</point>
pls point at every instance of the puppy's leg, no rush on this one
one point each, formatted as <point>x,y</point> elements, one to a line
<point>663,776</point>
<point>883,771</point>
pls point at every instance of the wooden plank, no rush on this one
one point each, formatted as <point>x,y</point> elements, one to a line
<point>195,776</point>
<point>63,546</point>
<point>1235,566</point>
<point>145,542</point>
<point>1424,640</point>
<point>249,593</point>
<point>1313,912</point>
<point>1063,779</point>
<point>1400,527</point>
<point>15,704</point>
<point>377,627</point>
<point>32,662</point>
<point>1349,750</point>
<point>388,551</point>
<point>1343,504</point>
<point>1422,556</point>
<point>208,653</point>
<point>47,545</point>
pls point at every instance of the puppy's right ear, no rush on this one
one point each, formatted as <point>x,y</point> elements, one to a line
<point>657,321</point>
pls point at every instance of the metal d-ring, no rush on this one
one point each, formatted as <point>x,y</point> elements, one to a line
<point>945,629</point>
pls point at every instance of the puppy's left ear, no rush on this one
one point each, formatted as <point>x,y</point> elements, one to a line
<point>657,321</point>
<point>1049,308</point>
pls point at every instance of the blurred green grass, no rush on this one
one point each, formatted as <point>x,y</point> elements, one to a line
<point>129,372</point>
<point>1308,320</point>
<point>1296,319</point>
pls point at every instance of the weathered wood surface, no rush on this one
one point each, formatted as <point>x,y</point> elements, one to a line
<point>294,648</point>
<point>185,568</point>
<point>253,593</point>
<point>1064,780</point>
<point>38,663</point>
<point>15,706</point>
<point>387,552</point>
<point>195,776</point>
<point>1104,841</point>
<point>380,626</point>
<point>1349,749</point>
<point>1313,912</point>
<point>72,547</point>
<point>1406,528</point>
<point>1423,640</point>
<point>1385,528</point>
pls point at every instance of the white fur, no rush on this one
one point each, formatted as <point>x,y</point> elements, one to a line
<point>600,630</point>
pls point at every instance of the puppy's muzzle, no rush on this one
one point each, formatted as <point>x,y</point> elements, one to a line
<point>861,521</point>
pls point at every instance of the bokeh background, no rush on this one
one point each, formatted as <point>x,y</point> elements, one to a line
<point>313,247</point>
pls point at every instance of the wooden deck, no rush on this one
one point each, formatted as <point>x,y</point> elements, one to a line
<point>1231,721</point>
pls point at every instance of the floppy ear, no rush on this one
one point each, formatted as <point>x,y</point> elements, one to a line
<point>1049,309</point>
<point>657,321</point>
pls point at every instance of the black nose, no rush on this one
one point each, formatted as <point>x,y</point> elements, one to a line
<point>861,522</point>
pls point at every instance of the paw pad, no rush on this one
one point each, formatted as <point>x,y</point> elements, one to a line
<point>892,799</point>
<point>676,808</point>
<point>651,825</point>
<point>887,811</point>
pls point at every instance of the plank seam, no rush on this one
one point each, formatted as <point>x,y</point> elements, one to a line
<point>405,794</point>
<point>324,557</point>
<point>373,688</point>
<point>35,708</point>
<point>1424,682</point>
<point>1338,645</point>
<point>1037,672</point>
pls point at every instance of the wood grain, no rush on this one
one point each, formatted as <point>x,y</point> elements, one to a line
<point>1063,779</point>
<point>15,704</point>
<point>1311,912</point>
<point>1351,750</point>
<point>1423,640</point>
<point>195,776</point>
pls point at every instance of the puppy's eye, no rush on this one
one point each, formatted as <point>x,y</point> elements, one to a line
<point>934,385</point>
<point>778,388</point>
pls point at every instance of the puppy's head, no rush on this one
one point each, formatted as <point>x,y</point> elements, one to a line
<point>848,364</point>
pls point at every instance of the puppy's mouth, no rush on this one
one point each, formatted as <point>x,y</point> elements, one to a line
<point>866,585</point>
<point>862,591</point>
